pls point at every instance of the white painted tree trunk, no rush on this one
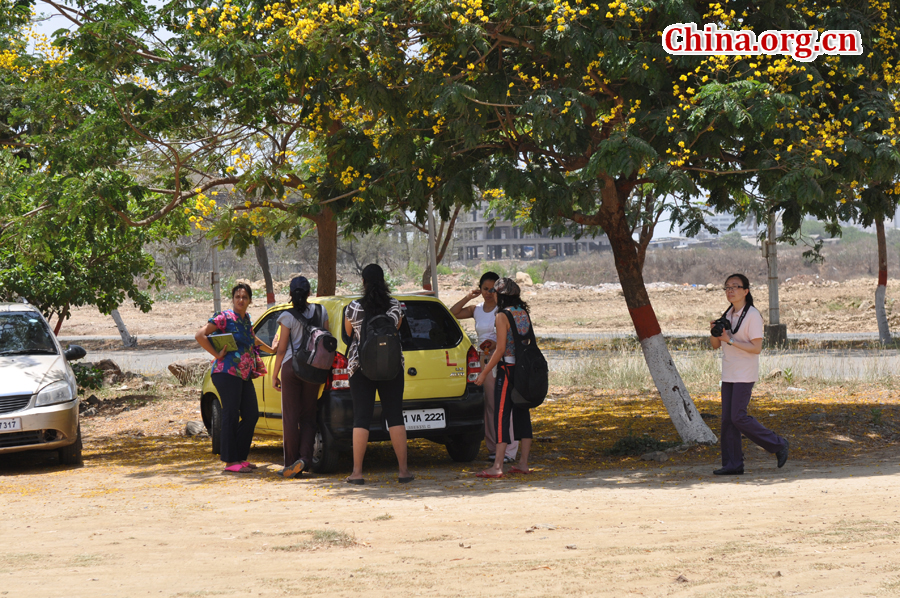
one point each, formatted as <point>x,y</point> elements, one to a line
<point>127,340</point>
<point>675,397</point>
<point>884,329</point>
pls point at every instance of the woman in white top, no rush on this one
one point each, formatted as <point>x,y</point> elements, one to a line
<point>741,343</point>
<point>485,315</point>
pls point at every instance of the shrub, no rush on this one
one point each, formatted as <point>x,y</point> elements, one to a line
<point>87,376</point>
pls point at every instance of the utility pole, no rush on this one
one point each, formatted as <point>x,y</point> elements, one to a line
<point>432,248</point>
<point>776,332</point>
<point>214,279</point>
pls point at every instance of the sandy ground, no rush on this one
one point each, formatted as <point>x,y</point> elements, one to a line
<point>807,305</point>
<point>151,514</point>
<point>176,526</point>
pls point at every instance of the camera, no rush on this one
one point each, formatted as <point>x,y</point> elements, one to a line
<point>720,326</point>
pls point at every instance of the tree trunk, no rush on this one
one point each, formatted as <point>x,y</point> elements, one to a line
<point>675,397</point>
<point>262,256</point>
<point>127,340</point>
<point>59,320</point>
<point>884,329</point>
<point>326,231</point>
<point>443,241</point>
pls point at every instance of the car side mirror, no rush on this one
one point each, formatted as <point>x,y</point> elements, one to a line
<point>74,352</point>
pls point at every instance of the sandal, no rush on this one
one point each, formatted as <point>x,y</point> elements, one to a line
<point>248,465</point>
<point>237,468</point>
<point>356,481</point>
<point>516,470</point>
<point>485,474</point>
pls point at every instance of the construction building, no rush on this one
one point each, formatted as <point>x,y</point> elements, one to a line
<point>476,240</point>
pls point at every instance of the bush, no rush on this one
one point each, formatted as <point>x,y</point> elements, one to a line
<point>536,272</point>
<point>87,376</point>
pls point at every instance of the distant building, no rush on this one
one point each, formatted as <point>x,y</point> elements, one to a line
<point>475,240</point>
<point>747,228</point>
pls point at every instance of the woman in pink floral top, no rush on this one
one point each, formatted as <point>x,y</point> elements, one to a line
<point>232,374</point>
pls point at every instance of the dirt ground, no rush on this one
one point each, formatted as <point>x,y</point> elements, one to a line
<point>175,526</point>
<point>807,305</point>
<point>150,513</point>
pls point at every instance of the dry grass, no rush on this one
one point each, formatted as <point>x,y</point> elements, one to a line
<point>319,539</point>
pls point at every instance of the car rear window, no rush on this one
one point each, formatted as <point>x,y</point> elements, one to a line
<point>428,325</point>
<point>24,333</point>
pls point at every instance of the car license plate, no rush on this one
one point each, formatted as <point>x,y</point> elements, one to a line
<point>10,425</point>
<point>424,419</point>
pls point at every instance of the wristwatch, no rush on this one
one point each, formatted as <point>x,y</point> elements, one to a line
<point>731,341</point>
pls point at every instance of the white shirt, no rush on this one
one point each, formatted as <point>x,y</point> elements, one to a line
<point>485,323</point>
<point>738,365</point>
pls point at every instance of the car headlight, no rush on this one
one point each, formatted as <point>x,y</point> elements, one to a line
<point>56,392</point>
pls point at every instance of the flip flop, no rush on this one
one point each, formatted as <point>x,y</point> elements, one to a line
<point>237,468</point>
<point>516,470</point>
<point>356,482</point>
<point>248,465</point>
<point>406,480</point>
<point>485,474</point>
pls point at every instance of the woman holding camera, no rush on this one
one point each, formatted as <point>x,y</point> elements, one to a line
<point>739,332</point>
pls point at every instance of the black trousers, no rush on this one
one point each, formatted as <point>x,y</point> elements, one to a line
<point>362,390</point>
<point>240,411</point>
<point>505,410</point>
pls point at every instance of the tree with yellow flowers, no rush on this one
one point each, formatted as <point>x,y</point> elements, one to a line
<point>565,111</point>
<point>572,112</point>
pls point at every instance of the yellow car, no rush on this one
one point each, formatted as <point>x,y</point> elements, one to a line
<point>440,401</point>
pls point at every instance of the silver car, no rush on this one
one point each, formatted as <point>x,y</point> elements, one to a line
<point>38,390</point>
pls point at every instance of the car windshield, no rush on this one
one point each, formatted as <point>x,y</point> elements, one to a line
<point>23,333</point>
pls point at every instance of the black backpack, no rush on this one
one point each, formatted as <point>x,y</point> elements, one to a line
<point>314,355</point>
<point>380,354</point>
<point>531,375</point>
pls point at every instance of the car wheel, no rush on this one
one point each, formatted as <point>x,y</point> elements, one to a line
<point>325,452</point>
<point>71,455</point>
<point>215,428</point>
<point>463,448</point>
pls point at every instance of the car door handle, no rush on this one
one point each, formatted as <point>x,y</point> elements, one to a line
<point>412,371</point>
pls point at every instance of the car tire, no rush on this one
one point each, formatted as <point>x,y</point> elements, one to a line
<point>325,452</point>
<point>71,455</point>
<point>463,448</point>
<point>215,427</point>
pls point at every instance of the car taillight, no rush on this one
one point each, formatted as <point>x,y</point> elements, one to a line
<point>340,374</point>
<point>473,365</point>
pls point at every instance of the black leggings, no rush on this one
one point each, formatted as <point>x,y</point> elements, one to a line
<point>240,411</point>
<point>362,390</point>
